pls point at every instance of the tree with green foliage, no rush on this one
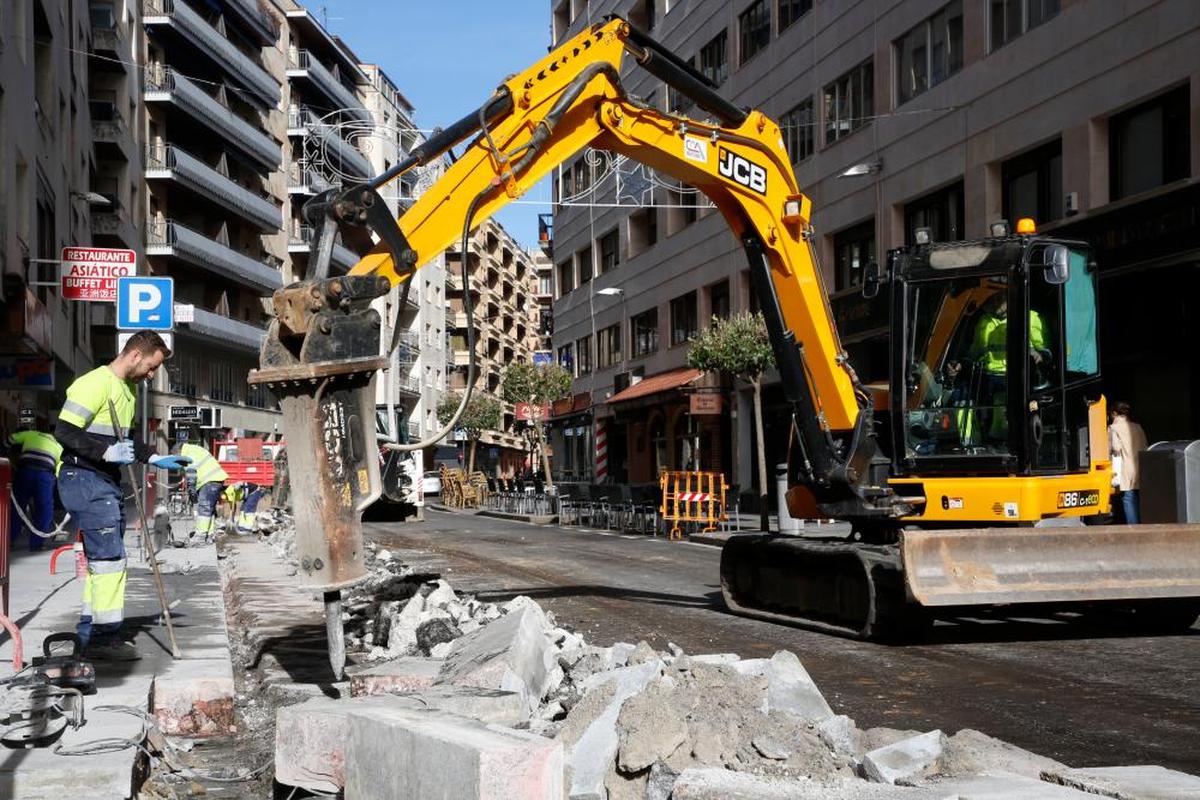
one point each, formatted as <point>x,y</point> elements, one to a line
<point>538,385</point>
<point>739,347</point>
<point>482,413</point>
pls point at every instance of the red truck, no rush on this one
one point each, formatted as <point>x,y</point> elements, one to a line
<point>248,459</point>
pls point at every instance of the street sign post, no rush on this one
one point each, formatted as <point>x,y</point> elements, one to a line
<point>145,303</point>
<point>91,273</point>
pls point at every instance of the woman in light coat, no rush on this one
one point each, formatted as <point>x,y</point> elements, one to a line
<point>1126,440</point>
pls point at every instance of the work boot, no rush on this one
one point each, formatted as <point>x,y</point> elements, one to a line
<point>112,650</point>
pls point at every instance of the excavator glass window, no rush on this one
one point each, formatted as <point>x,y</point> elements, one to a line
<point>957,380</point>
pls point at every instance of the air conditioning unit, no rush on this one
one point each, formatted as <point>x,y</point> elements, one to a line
<point>1071,203</point>
<point>210,417</point>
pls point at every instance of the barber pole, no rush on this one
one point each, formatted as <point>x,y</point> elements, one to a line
<point>601,451</point>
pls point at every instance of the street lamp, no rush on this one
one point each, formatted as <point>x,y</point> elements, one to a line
<point>864,168</point>
<point>92,198</point>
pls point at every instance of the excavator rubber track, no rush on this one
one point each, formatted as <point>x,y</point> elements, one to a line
<point>889,592</point>
<point>847,588</point>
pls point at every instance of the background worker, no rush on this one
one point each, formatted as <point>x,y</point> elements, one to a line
<point>210,480</point>
<point>1126,441</point>
<point>89,483</point>
<point>243,499</point>
<point>37,456</point>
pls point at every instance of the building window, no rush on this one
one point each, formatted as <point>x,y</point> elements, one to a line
<point>713,61</point>
<point>849,102</point>
<point>220,376</point>
<point>566,278</point>
<point>1149,145</point>
<point>583,355</point>
<point>677,101</point>
<point>643,230</point>
<point>798,131</point>
<point>683,318</point>
<point>584,259</point>
<point>940,211</point>
<point>929,53</point>
<point>583,175</point>
<point>182,371</point>
<point>609,251</point>
<point>608,347</point>
<point>853,249</point>
<point>754,27</point>
<point>1011,18</point>
<point>566,358</point>
<point>718,300</point>
<point>1032,184</point>
<point>644,332</point>
<point>792,10</point>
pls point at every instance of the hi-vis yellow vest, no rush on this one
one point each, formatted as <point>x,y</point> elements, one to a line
<point>208,469</point>
<point>87,403</point>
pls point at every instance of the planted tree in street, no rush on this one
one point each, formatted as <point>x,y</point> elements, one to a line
<point>739,347</point>
<point>538,385</point>
<point>482,413</point>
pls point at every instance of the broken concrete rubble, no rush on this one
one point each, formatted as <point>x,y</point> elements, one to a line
<point>1128,783</point>
<point>906,761</point>
<point>406,674</point>
<point>432,753</point>
<point>513,653</point>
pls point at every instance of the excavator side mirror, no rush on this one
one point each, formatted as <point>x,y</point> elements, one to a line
<point>1057,259</point>
<point>870,286</point>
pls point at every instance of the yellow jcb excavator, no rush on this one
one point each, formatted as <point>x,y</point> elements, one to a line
<point>988,427</point>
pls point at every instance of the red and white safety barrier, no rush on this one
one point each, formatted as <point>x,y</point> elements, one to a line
<point>694,497</point>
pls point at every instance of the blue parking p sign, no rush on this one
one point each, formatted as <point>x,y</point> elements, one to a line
<point>145,303</point>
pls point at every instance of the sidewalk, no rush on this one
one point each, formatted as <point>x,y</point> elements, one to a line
<point>41,604</point>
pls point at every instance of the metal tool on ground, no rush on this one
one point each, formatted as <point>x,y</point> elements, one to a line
<point>67,670</point>
<point>151,556</point>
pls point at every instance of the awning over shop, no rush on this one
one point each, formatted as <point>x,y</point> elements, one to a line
<point>663,382</point>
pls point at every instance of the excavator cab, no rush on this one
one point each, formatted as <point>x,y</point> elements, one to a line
<point>995,357</point>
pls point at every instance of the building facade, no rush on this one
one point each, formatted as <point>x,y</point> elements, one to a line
<point>502,280</point>
<point>923,113</point>
<point>214,130</point>
<point>67,107</point>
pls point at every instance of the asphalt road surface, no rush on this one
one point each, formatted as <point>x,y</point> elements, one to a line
<point>1084,695</point>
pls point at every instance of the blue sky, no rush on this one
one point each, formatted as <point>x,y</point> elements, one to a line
<point>447,57</point>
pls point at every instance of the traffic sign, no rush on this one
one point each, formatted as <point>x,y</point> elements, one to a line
<point>183,413</point>
<point>145,303</point>
<point>123,338</point>
<point>91,273</point>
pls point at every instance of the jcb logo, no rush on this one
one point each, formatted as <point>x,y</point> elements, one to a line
<point>745,172</point>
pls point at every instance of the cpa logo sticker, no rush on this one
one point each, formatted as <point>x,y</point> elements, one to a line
<point>742,170</point>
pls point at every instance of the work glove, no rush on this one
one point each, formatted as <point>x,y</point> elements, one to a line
<point>120,452</point>
<point>169,462</point>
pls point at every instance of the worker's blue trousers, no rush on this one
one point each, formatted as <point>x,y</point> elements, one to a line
<point>33,491</point>
<point>97,505</point>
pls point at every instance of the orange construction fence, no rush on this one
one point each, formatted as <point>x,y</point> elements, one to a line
<point>692,497</point>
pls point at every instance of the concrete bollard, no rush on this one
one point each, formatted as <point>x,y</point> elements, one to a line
<point>787,524</point>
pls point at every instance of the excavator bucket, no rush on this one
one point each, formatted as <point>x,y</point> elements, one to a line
<point>1000,566</point>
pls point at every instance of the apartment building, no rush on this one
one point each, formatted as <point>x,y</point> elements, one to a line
<point>503,284</point>
<point>416,380</point>
<point>214,130</point>
<point>48,166</point>
<point>917,113</point>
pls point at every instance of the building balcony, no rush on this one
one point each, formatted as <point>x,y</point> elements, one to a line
<point>226,330</point>
<point>189,25</point>
<point>460,358</point>
<point>114,223</point>
<point>173,164</point>
<point>111,48</point>
<point>335,151</point>
<point>166,86</point>
<point>305,181</point>
<point>303,65</point>
<point>456,319</point>
<point>408,385</point>
<point>253,20</point>
<point>301,241</point>
<point>110,131</point>
<point>171,239</point>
